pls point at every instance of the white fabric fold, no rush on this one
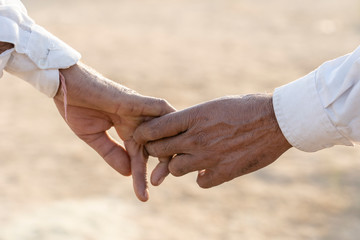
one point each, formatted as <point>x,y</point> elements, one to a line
<point>322,109</point>
<point>38,55</point>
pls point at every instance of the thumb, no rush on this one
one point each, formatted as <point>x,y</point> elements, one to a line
<point>112,152</point>
<point>146,106</point>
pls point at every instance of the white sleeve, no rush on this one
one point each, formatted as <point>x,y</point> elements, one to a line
<point>37,54</point>
<point>322,109</point>
<point>4,58</point>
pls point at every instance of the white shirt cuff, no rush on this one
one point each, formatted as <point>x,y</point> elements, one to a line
<point>302,117</point>
<point>38,54</point>
<point>44,80</point>
<point>4,58</point>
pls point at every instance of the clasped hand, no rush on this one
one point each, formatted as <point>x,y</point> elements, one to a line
<point>221,139</point>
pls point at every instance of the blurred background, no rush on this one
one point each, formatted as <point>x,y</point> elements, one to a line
<point>52,186</point>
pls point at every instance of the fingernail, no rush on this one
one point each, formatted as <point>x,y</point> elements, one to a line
<point>201,173</point>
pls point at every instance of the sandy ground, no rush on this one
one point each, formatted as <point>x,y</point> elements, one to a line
<point>52,186</point>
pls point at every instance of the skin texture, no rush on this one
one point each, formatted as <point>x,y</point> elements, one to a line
<point>222,139</point>
<point>95,104</point>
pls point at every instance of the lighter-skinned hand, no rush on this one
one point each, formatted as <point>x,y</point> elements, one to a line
<point>222,139</point>
<point>95,104</point>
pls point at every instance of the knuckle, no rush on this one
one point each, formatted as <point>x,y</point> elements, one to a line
<point>200,139</point>
<point>158,149</point>
<point>154,130</point>
<point>151,149</point>
<point>162,102</point>
<point>149,133</point>
<point>176,170</point>
<point>140,136</point>
<point>146,132</point>
<point>165,105</point>
<point>162,105</point>
<point>165,147</point>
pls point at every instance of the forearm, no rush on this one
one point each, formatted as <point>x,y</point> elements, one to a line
<point>87,88</point>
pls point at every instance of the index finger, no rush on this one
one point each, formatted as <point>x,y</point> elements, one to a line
<point>166,126</point>
<point>138,169</point>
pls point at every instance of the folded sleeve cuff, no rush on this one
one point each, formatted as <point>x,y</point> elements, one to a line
<point>4,58</point>
<point>44,49</point>
<point>46,81</point>
<point>38,55</point>
<point>53,52</point>
<point>302,117</point>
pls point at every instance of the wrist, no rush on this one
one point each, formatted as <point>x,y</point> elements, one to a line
<point>87,88</point>
<point>273,118</point>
